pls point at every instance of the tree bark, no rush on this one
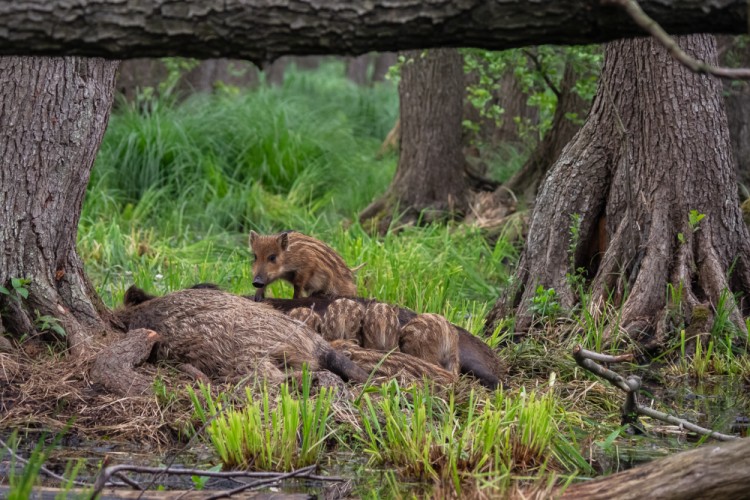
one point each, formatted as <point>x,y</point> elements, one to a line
<point>633,193</point>
<point>263,30</point>
<point>712,471</point>
<point>356,69</point>
<point>53,112</point>
<point>429,181</point>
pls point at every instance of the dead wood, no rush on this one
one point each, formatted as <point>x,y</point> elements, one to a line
<point>114,365</point>
<point>712,471</point>
<point>630,386</point>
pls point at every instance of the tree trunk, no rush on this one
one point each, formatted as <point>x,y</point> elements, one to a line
<point>383,63</point>
<point>53,112</point>
<point>525,182</point>
<point>263,30</point>
<point>720,471</point>
<point>633,194</point>
<point>138,74</point>
<point>429,181</point>
<point>356,69</point>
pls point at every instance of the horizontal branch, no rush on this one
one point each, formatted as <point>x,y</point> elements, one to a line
<point>652,27</point>
<point>263,30</point>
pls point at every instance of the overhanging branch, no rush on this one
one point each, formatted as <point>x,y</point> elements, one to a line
<point>654,29</point>
<point>263,30</point>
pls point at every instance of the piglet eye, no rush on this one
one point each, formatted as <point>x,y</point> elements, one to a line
<point>272,258</point>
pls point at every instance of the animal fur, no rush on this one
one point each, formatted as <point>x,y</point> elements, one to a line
<point>342,320</point>
<point>311,266</point>
<point>380,327</point>
<point>476,358</point>
<point>224,335</point>
<point>393,365</point>
<point>432,338</point>
<point>306,316</point>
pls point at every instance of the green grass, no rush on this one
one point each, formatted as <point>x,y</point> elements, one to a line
<point>175,191</point>
<point>284,433</point>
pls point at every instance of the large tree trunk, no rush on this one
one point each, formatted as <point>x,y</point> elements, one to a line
<point>429,181</point>
<point>53,112</point>
<point>633,194</point>
<point>263,30</point>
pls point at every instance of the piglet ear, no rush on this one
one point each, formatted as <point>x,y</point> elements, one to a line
<point>284,240</point>
<point>253,236</point>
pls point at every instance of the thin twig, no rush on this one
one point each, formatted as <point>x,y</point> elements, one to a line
<point>540,68</point>
<point>654,29</point>
<point>42,468</point>
<point>631,386</point>
<point>603,358</point>
<point>263,482</point>
<point>118,470</point>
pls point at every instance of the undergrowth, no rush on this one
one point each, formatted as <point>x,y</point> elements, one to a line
<point>177,187</point>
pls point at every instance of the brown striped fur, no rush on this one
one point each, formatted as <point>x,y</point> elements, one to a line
<point>306,316</point>
<point>311,266</point>
<point>342,320</point>
<point>380,327</point>
<point>432,338</point>
<point>393,365</point>
<point>226,336</point>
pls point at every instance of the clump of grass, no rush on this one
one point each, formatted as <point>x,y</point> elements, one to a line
<point>267,435</point>
<point>487,439</point>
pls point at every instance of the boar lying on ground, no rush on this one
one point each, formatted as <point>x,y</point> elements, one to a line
<point>224,335</point>
<point>221,335</point>
<point>475,358</point>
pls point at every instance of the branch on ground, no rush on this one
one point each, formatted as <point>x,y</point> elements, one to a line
<point>630,387</point>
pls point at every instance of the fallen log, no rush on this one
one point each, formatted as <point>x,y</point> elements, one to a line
<point>711,471</point>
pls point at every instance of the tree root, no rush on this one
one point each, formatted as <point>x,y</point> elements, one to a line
<point>113,365</point>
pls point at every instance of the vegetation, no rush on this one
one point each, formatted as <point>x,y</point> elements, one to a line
<point>177,187</point>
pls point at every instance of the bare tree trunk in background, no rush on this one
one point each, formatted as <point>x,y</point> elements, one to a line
<point>137,74</point>
<point>208,73</point>
<point>734,52</point>
<point>276,70</point>
<point>633,195</point>
<point>383,62</point>
<point>53,113</point>
<point>357,69</point>
<point>430,179</point>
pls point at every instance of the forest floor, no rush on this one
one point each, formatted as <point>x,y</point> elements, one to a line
<point>175,191</point>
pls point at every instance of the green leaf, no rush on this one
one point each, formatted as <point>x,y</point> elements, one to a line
<point>22,292</point>
<point>4,290</point>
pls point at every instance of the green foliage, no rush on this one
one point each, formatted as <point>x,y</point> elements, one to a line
<point>535,70</point>
<point>18,289</point>
<point>694,218</point>
<point>544,305</point>
<point>284,434</point>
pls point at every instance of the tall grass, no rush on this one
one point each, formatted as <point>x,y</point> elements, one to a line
<point>177,187</point>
